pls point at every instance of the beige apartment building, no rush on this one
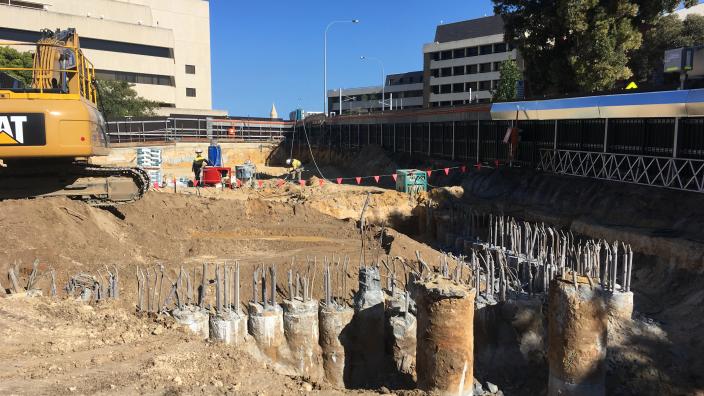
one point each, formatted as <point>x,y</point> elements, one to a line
<point>161,46</point>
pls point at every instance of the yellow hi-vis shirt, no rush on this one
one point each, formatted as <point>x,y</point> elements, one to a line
<point>295,164</point>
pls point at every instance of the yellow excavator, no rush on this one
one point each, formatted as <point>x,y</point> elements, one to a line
<point>50,127</point>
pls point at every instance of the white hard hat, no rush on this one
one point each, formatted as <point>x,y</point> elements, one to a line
<point>288,161</point>
<point>199,151</point>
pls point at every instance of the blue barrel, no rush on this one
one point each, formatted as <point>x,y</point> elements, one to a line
<point>215,155</point>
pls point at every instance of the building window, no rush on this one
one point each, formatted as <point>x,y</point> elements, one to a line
<point>458,53</point>
<point>472,51</point>
<point>446,55</point>
<point>499,47</point>
<point>485,85</point>
<point>190,69</point>
<point>457,102</point>
<point>446,72</point>
<point>497,66</point>
<point>486,49</point>
<point>495,84</point>
<point>136,78</point>
<point>446,89</point>
<point>25,4</point>
<point>472,85</point>
<point>458,88</point>
<point>445,104</point>
<point>435,56</point>
<point>191,92</point>
<point>472,69</point>
<point>485,68</point>
<point>435,73</point>
<point>458,70</point>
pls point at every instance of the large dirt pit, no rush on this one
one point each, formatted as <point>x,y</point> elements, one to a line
<point>60,345</point>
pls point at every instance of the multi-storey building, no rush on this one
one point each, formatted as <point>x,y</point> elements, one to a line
<point>401,91</point>
<point>161,46</point>
<point>462,64</point>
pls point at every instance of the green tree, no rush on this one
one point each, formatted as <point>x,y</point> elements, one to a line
<point>119,99</point>
<point>668,32</point>
<point>10,57</point>
<point>510,75</point>
<point>578,45</point>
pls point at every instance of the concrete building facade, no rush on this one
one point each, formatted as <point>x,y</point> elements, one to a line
<point>462,64</point>
<point>402,91</point>
<point>161,46</point>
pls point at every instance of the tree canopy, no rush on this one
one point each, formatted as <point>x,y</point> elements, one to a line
<point>578,45</point>
<point>668,32</point>
<point>119,99</point>
<point>10,57</point>
<point>508,82</point>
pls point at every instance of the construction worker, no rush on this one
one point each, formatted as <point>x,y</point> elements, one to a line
<point>198,164</point>
<point>295,168</point>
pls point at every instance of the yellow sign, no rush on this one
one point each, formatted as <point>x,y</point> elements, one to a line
<point>632,85</point>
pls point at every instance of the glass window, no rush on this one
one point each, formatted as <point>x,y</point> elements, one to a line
<point>472,85</point>
<point>495,84</point>
<point>435,56</point>
<point>485,68</point>
<point>445,104</point>
<point>446,88</point>
<point>190,69</point>
<point>458,53</point>
<point>472,69</point>
<point>497,66</point>
<point>191,92</point>
<point>486,49</point>
<point>435,73</point>
<point>485,85</point>
<point>446,55</point>
<point>458,87</point>
<point>499,47</point>
<point>472,51</point>
<point>458,70</point>
<point>446,72</point>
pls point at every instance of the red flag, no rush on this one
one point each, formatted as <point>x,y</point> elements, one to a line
<point>359,179</point>
<point>376,178</point>
<point>394,176</point>
<point>339,180</point>
<point>239,182</point>
<point>279,182</point>
<point>463,168</point>
<point>478,166</point>
<point>447,171</point>
<point>260,183</point>
<point>302,182</point>
<point>321,181</point>
<point>429,172</point>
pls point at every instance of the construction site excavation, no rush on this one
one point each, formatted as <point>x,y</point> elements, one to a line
<point>481,285</point>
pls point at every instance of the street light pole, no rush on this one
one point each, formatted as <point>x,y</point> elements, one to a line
<point>325,63</point>
<point>383,79</point>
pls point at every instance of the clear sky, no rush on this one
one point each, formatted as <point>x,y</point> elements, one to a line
<point>266,52</point>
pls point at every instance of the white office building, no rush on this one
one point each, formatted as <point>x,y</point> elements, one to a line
<point>161,46</point>
<point>462,64</point>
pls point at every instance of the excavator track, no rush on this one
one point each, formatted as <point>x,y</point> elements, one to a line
<point>101,186</point>
<point>138,175</point>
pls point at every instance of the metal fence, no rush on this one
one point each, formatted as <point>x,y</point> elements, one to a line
<point>662,152</point>
<point>194,129</point>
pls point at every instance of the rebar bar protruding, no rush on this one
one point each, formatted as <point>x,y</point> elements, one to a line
<point>237,287</point>
<point>272,271</point>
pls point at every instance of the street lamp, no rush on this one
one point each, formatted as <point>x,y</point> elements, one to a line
<point>325,62</point>
<point>383,79</point>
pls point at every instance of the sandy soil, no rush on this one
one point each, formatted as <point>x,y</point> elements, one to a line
<point>60,346</point>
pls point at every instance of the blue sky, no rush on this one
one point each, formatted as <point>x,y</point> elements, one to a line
<point>272,51</point>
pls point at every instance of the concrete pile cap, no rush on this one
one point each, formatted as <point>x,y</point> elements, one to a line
<point>297,306</point>
<point>440,288</point>
<point>258,309</point>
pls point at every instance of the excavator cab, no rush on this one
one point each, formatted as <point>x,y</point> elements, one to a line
<point>50,127</point>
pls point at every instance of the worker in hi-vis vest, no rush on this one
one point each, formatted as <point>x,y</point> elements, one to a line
<point>198,163</point>
<point>295,168</point>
